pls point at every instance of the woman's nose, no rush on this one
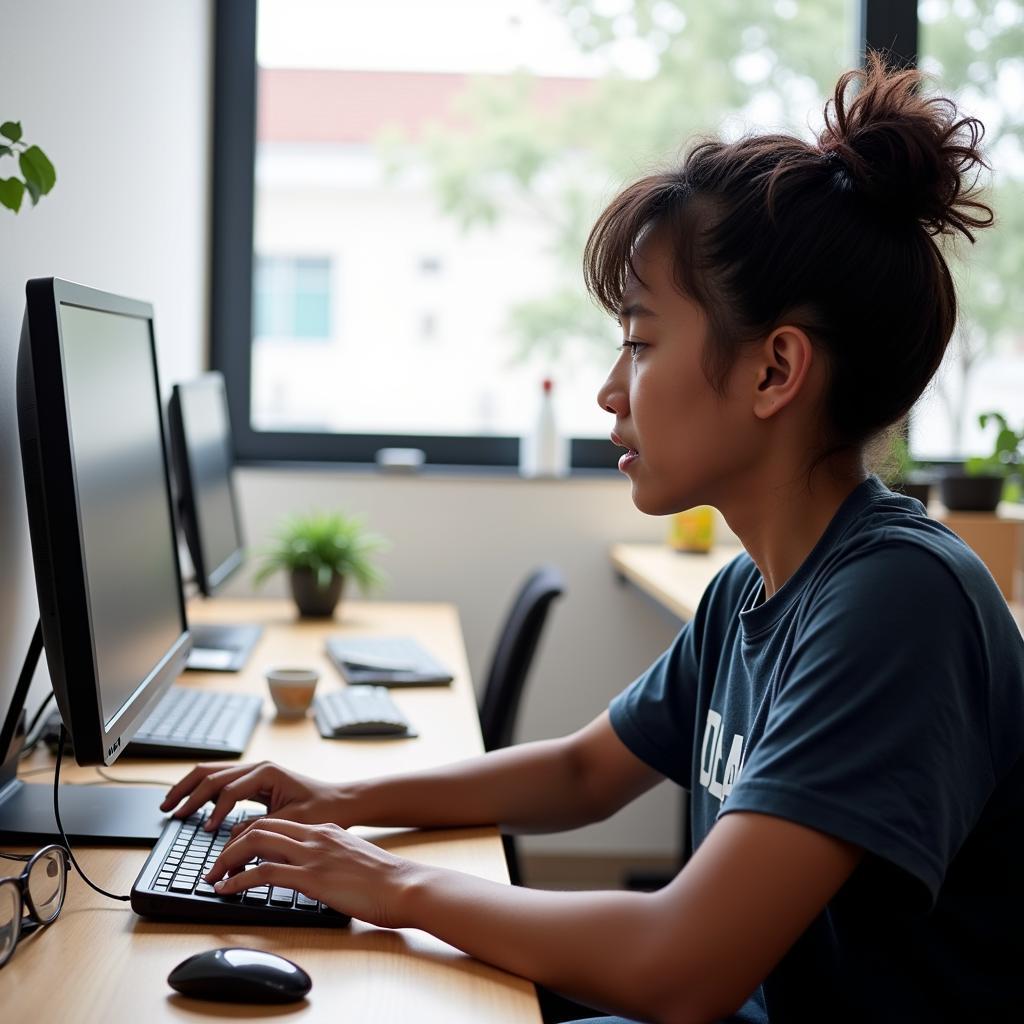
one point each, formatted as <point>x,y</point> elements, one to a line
<point>613,395</point>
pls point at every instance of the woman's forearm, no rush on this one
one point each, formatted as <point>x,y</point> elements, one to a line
<point>604,948</point>
<point>537,786</point>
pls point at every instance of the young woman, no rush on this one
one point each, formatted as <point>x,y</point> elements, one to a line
<point>847,705</point>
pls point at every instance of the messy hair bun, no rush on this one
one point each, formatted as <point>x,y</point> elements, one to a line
<point>837,237</point>
<point>906,153</point>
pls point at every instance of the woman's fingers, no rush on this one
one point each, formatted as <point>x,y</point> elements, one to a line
<point>247,781</point>
<point>198,774</point>
<point>271,840</point>
<point>288,876</point>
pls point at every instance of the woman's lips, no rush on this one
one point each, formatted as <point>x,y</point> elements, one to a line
<point>627,459</point>
<point>630,455</point>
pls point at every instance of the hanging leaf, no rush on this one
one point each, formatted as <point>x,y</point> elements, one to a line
<point>11,130</point>
<point>11,193</point>
<point>37,168</point>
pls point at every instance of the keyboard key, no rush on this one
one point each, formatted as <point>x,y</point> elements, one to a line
<point>282,897</point>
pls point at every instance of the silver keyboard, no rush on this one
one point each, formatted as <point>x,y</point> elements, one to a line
<point>360,711</point>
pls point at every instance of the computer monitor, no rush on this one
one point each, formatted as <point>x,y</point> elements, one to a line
<point>202,454</point>
<point>203,459</point>
<point>104,549</point>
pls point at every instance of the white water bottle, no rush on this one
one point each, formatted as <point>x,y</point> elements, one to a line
<point>544,451</point>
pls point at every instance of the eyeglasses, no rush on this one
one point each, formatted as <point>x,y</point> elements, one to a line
<point>39,889</point>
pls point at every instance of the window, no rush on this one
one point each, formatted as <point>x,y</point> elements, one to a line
<point>293,299</point>
<point>453,170</point>
<point>975,48</point>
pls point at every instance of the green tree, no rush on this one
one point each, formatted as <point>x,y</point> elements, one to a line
<point>707,64</point>
<point>975,48</point>
<point>561,164</point>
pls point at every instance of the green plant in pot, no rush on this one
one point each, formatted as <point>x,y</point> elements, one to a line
<point>320,552</point>
<point>986,480</point>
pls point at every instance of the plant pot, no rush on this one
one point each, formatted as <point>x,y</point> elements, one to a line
<point>963,493</point>
<point>312,600</point>
<point>920,489</point>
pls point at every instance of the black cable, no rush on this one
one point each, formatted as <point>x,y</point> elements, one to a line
<point>56,813</point>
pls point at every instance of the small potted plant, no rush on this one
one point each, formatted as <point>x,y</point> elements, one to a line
<point>320,552</point>
<point>985,481</point>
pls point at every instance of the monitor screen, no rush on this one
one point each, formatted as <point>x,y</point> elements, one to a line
<point>124,516</point>
<point>203,459</point>
<point>100,512</point>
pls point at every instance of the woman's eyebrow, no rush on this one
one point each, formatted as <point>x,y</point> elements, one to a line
<point>635,309</point>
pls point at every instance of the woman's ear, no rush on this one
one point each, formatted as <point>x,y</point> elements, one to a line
<point>783,364</point>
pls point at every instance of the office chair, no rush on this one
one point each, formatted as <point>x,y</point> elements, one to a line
<point>510,665</point>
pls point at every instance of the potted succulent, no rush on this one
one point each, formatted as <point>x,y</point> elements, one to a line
<point>320,552</point>
<point>985,481</point>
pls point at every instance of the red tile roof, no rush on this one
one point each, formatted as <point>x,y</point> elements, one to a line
<point>318,105</point>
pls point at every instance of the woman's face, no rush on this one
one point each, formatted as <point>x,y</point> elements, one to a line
<point>685,444</point>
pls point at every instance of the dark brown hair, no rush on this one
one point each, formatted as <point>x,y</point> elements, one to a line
<point>837,237</point>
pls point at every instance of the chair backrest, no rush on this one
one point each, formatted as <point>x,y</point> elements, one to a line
<point>513,654</point>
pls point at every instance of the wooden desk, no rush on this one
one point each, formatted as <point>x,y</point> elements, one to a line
<point>996,538</point>
<point>100,962</point>
<point>676,580</point>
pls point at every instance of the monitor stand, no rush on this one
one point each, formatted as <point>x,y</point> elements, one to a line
<point>105,815</point>
<point>94,815</point>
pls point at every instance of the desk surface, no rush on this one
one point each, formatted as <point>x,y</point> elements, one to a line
<point>100,962</point>
<point>676,580</point>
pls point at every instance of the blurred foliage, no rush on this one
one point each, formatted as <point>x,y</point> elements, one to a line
<point>741,64</point>
<point>37,173</point>
<point>327,543</point>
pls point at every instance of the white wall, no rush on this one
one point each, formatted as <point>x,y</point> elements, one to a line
<point>116,92</point>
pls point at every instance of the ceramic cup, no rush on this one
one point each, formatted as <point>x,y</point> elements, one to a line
<point>292,689</point>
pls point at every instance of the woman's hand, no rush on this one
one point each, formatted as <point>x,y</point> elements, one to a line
<point>286,794</point>
<point>324,862</point>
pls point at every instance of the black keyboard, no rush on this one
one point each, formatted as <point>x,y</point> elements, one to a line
<point>170,884</point>
<point>197,724</point>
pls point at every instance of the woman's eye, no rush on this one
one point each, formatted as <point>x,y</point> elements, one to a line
<point>633,346</point>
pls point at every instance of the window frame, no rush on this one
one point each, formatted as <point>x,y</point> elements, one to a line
<point>888,25</point>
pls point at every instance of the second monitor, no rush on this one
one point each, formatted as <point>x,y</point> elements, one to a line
<point>203,459</point>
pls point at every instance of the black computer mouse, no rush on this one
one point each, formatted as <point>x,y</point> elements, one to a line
<point>238,975</point>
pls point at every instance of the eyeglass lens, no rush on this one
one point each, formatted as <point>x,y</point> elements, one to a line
<point>10,918</point>
<point>46,885</point>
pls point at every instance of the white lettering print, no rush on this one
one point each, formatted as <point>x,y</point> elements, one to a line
<point>719,784</point>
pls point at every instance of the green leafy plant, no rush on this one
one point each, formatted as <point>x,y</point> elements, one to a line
<point>1005,460</point>
<point>328,544</point>
<point>38,175</point>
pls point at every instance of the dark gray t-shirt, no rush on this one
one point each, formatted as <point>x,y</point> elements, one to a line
<point>879,697</point>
